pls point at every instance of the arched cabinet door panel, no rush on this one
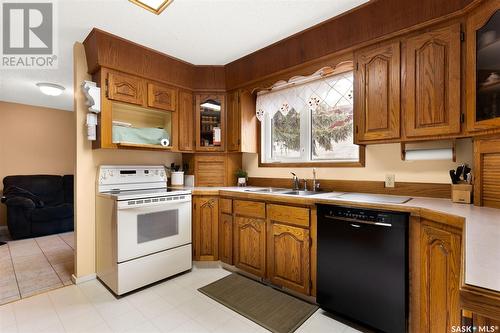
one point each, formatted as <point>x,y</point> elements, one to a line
<point>162,97</point>
<point>482,83</point>
<point>288,257</point>
<point>126,88</point>
<point>377,93</point>
<point>440,253</point>
<point>250,245</point>
<point>431,103</point>
<point>206,225</point>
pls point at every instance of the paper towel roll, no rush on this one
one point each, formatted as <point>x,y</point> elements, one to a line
<point>429,154</point>
<point>165,142</point>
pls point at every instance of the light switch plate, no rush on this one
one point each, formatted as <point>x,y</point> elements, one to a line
<point>390,180</point>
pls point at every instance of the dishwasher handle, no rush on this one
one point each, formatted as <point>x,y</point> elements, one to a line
<point>357,222</point>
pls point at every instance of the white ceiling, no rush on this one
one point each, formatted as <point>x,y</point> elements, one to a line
<point>202,32</point>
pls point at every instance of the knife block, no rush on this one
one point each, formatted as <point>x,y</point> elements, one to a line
<point>461,193</point>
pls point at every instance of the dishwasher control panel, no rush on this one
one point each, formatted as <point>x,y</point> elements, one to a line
<point>362,214</point>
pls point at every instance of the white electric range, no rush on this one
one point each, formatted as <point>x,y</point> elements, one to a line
<point>143,228</point>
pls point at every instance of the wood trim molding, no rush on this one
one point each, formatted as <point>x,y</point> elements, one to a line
<point>360,164</point>
<point>337,34</point>
<point>480,301</point>
<point>431,190</point>
<point>104,49</point>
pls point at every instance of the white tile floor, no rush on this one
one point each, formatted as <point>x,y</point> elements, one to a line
<point>34,265</point>
<point>172,306</point>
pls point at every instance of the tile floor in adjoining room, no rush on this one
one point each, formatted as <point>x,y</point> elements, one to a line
<point>31,266</point>
<point>174,305</point>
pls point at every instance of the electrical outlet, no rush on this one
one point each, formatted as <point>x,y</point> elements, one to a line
<point>390,180</point>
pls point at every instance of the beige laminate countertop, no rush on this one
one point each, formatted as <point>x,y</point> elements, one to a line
<point>481,233</point>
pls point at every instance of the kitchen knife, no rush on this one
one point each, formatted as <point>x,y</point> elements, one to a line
<point>453,177</point>
<point>467,170</point>
<point>459,172</point>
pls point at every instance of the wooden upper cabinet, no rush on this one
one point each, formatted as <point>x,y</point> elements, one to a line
<point>126,88</point>
<point>482,84</point>
<point>377,93</point>
<point>288,257</point>
<point>431,102</point>
<point>440,253</point>
<point>186,121</point>
<point>241,122</point>
<point>210,122</point>
<point>162,97</point>
<point>233,122</point>
<point>206,225</point>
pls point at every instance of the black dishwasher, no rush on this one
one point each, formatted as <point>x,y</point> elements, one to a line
<point>363,266</point>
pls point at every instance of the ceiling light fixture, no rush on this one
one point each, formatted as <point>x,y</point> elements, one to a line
<point>50,89</point>
<point>154,6</point>
<point>211,105</point>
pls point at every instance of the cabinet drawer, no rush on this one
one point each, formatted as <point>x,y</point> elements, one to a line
<point>250,208</point>
<point>226,206</point>
<point>289,215</point>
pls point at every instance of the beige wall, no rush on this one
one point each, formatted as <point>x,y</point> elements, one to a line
<point>35,140</point>
<point>380,160</point>
<point>87,162</point>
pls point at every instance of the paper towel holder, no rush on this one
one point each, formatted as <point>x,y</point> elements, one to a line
<point>429,146</point>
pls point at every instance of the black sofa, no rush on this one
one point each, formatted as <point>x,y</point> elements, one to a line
<point>38,205</point>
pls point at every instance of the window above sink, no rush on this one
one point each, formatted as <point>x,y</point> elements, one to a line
<point>308,121</point>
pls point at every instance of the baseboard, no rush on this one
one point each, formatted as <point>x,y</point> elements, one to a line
<point>81,279</point>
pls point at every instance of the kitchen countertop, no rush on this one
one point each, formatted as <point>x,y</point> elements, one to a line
<point>481,225</point>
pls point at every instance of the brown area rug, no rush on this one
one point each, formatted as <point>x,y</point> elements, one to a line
<point>268,307</point>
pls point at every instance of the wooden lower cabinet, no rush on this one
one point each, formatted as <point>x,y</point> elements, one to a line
<point>205,228</point>
<point>482,323</point>
<point>226,230</point>
<point>440,257</point>
<point>288,259</point>
<point>250,245</point>
<point>226,238</point>
<point>273,242</point>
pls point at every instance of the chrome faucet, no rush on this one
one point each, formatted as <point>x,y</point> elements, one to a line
<point>305,184</point>
<point>295,182</point>
<point>315,181</point>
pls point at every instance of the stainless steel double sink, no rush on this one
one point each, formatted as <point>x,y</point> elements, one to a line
<point>362,197</point>
<point>278,190</point>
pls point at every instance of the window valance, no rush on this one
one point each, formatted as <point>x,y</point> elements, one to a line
<point>325,87</point>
